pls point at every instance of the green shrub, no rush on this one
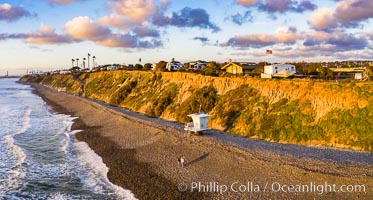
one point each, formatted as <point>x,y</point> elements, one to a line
<point>204,98</point>
<point>118,96</point>
<point>162,100</point>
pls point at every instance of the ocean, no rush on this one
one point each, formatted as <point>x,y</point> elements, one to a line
<point>39,157</point>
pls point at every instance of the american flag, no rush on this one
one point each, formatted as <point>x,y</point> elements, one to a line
<point>269,51</point>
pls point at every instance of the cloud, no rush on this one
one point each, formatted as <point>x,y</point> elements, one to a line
<point>279,6</point>
<point>135,10</point>
<point>12,13</point>
<point>369,35</point>
<point>7,36</point>
<point>45,35</point>
<point>187,17</point>
<point>128,41</point>
<point>146,31</point>
<point>164,4</point>
<point>287,35</point>
<point>255,41</point>
<point>202,39</point>
<point>348,13</point>
<point>282,35</point>
<point>240,19</point>
<point>351,11</point>
<point>84,28</point>
<point>282,6</point>
<point>247,2</point>
<point>346,42</point>
<point>116,21</point>
<point>62,2</point>
<point>323,19</point>
<point>329,44</point>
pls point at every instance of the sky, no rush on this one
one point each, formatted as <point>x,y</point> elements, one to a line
<point>48,34</point>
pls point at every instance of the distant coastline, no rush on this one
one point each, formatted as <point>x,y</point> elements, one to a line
<point>10,76</point>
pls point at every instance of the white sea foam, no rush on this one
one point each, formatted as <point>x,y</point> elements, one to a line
<point>14,161</point>
<point>25,122</point>
<point>98,181</point>
<point>28,127</point>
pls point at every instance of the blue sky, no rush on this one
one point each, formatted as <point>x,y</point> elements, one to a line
<point>47,34</point>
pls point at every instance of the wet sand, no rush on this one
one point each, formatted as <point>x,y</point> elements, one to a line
<point>142,153</point>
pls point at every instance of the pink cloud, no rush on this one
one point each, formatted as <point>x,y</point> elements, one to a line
<point>118,41</point>
<point>247,2</point>
<point>353,10</point>
<point>63,2</point>
<point>347,13</point>
<point>47,35</point>
<point>283,35</point>
<point>85,28</point>
<point>135,10</point>
<point>287,35</point>
<point>116,21</point>
<point>323,18</point>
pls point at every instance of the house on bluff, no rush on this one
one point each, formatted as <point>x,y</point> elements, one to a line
<point>240,68</point>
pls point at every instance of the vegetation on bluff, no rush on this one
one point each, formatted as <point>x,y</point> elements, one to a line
<point>204,98</point>
<point>286,111</point>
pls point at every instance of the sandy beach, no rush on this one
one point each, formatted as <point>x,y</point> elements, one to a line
<point>142,152</point>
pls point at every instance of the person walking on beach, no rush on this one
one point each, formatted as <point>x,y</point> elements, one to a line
<point>181,161</point>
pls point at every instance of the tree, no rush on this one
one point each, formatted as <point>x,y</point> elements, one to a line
<point>88,59</point>
<point>212,69</point>
<point>161,66</point>
<point>93,58</point>
<point>258,70</point>
<point>369,72</point>
<point>74,69</point>
<point>77,62</point>
<point>263,63</point>
<point>148,66</point>
<point>138,67</point>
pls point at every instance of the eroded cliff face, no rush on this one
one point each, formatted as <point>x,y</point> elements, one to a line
<point>280,110</point>
<point>324,97</point>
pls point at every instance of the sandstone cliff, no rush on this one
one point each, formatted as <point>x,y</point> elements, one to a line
<point>306,112</point>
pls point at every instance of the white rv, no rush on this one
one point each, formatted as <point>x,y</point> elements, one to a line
<point>174,66</point>
<point>278,70</point>
<point>197,65</point>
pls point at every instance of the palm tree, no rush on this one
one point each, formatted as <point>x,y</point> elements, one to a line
<point>94,57</point>
<point>77,62</point>
<point>72,62</point>
<point>88,59</point>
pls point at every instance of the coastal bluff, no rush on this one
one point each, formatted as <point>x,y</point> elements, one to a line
<point>288,111</point>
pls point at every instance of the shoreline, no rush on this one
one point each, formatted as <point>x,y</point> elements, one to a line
<point>124,174</point>
<point>145,161</point>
